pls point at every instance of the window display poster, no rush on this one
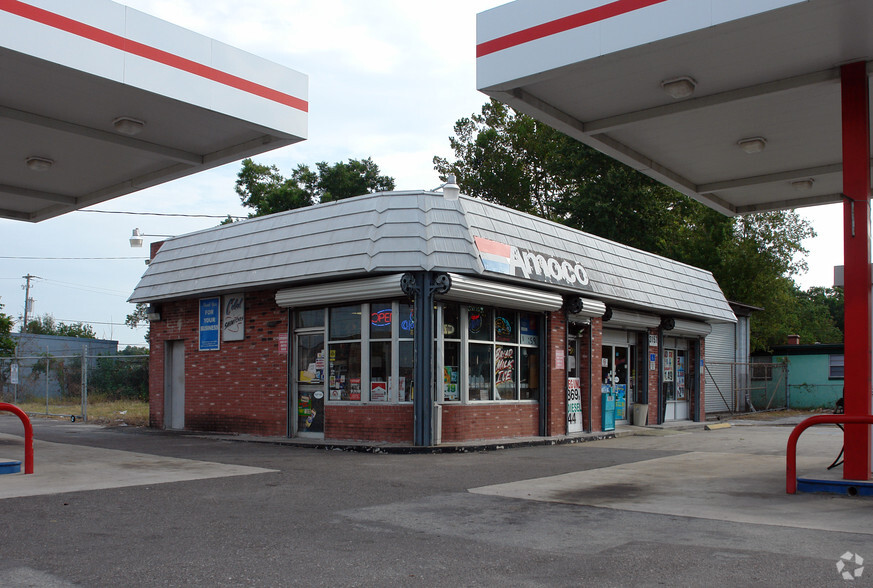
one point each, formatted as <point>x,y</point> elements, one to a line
<point>668,364</point>
<point>378,391</point>
<point>680,377</point>
<point>233,320</point>
<point>504,365</point>
<point>529,331</point>
<point>450,383</point>
<point>354,388</point>
<point>620,402</point>
<point>210,312</point>
<point>574,405</point>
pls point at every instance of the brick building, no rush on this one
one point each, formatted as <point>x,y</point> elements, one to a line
<point>304,323</point>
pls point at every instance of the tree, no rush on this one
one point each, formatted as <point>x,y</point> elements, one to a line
<point>263,189</point>
<point>511,159</point>
<point>140,314</point>
<point>7,344</point>
<point>46,325</point>
<point>505,157</point>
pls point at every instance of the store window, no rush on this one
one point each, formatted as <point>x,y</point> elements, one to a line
<point>502,354</point>
<point>836,367</point>
<point>344,353</point>
<point>405,388</point>
<point>381,327</point>
<point>451,314</point>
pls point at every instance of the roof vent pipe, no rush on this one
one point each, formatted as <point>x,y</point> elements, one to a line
<point>451,191</point>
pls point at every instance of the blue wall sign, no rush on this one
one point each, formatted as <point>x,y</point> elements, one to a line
<point>210,324</point>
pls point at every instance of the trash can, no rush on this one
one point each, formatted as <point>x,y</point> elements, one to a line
<point>641,414</point>
<point>607,411</point>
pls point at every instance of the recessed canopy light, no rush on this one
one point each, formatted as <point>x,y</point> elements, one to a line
<point>679,88</point>
<point>803,185</point>
<point>38,164</point>
<point>128,126</point>
<point>752,144</point>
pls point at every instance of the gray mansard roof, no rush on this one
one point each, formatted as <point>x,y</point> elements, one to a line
<point>394,232</point>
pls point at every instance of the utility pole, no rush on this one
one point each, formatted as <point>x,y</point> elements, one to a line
<point>27,300</point>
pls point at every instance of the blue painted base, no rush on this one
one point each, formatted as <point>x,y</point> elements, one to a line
<point>844,487</point>
<point>10,467</point>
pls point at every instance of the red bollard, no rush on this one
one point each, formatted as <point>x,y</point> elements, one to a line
<point>28,434</point>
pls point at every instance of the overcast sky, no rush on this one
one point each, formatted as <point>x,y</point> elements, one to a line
<point>387,80</point>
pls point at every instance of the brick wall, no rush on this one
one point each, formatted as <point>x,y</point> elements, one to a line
<point>489,421</point>
<point>556,385</point>
<point>393,423</point>
<point>240,388</point>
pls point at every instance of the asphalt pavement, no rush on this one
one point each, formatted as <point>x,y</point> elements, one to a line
<point>111,506</point>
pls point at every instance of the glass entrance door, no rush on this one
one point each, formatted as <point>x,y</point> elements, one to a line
<point>675,390</point>
<point>574,387</point>
<point>615,374</point>
<point>310,385</point>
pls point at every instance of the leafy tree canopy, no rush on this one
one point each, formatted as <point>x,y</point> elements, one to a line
<point>508,158</point>
<point>46,325</point>
<point>140,314</point>
<point>263,189</point>
<point>7,344</point>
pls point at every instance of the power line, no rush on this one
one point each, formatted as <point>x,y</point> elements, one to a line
<point>166,214</point>
<point>93,289</point>
<point>68,321</point>
<point>66,258</point>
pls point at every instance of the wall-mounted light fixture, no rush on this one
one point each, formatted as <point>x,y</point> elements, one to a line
<point>153,313</point>
<point>137,235</point>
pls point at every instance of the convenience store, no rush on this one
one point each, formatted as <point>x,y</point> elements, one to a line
<point>304,324</point>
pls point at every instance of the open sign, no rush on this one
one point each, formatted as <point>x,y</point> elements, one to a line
<point>381,318</point>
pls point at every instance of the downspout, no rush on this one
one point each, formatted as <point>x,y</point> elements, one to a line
<point>590,375</point>
<point>662,404</point>
<point>543,381</point>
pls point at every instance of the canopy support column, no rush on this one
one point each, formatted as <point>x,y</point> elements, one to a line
<point>856,247</point>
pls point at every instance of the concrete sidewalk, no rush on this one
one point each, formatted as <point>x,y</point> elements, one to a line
<point>71,468</point>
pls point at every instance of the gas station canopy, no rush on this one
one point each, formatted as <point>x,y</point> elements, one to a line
<point>735,103</point>
<point>100,100</point>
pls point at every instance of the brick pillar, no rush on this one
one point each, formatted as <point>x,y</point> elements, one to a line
<point>652,374</point>
<point>596,355</point>
<point>556,348</point>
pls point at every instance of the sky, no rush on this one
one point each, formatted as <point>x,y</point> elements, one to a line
<point>387,80</point>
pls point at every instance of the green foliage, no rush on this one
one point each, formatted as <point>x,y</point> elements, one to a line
<point>67,372</point>
<point>508,158</point>
<point>263,189</point>
<point>122,377</point>
<point>46,325</point>
<point>7,344</point>
<point>139,314</point>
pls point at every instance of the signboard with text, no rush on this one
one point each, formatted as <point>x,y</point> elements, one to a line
<point>233,318</point>
<point>531,265</point>
<point>574,405</point>
<point>210,323</point>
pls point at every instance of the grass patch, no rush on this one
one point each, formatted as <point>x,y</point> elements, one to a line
<point>109,412</point>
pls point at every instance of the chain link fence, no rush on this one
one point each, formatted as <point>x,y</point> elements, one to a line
<point>739,387</point>
<point>65,384</point>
